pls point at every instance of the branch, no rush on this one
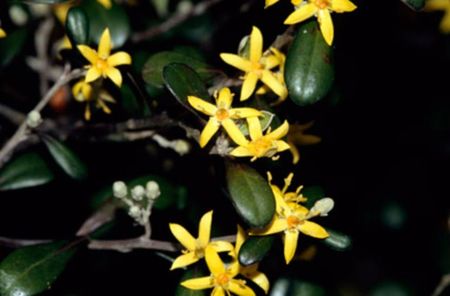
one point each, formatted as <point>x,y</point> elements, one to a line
<point>175,20</point>
<point>102,216</point>
<point>131,244</point>
<point>443,284</point>
<point>17,243</point>
<point>12,115</point>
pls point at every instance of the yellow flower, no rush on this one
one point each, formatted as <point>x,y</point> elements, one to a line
<point>84,92</point>
<point>297,137</point>
<point>61,10</point>
<point>288,197</point>
<point>222,279</point>
<point>322,9</point>
<point>2,33</point>
<point>444,5</point>
<point>102,63</point>
<point>256,67</point>
<point>106,3</point>
<point>195,248</point>
<point>291,219</point>
<point>262,145</point>
<point>221,115</point>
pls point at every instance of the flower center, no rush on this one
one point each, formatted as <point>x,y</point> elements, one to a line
<point>262,147</point>
<point>293,221</point>
<point>222,279</point>
<point>257,68</point>
<point>101,64</point>
<point>322,4</point>
<point>222,114</point>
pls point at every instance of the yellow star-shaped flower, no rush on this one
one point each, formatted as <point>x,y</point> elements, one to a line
<point>256,67</point>
<point>221,115</point>
<point>261,145</point>
<point>195,248</point>
<point>2,33</point>
<point>84,92</point>
<point>444,5</point>
<point>288,197</point>
<point>222,279</point>
<point>102,62</point>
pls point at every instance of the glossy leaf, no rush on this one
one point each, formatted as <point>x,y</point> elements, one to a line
<point>415,4</point>
<point>11,45</point>
<point>254,249</point>
<point>114,18</point>
<point>152,72</point>
<point>31,270</point>
<point>309,72</point>
<point>250,194</point>
<point>77,26</point>
<point>292,287</point>
<point>27,170</point>
<point>134,107</point>
<point>65,158</point>
<point>337,241</point>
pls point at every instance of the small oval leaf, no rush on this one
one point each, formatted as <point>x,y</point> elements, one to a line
<point>309,72</point>
<point>12,45</point>
<point>77,26</point>
<point>250,194</point>
<point>31,270</point>
<point>338,241</point>
<point>415,4</point>
<point>255,249</point>
<point>27,170</point>
<point>292,287</point>
<point>65,158</point>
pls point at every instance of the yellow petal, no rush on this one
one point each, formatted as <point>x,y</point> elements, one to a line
<point>241,152</point>
<point>295,153</point>
<point>277,225</point>
<point>103,106</point>
<point>342,6</point>
<point>249,85</point>
<point>436,5</point>
<point>269,79</point>
<point>87,112</point>
<point>225,98</point>
<point>234,132</point>
<point>270,61</point>
<point>240,238</point>
<point>270,3</point>
<point>183,236</point>
<point>282,145</point>
<point>88,53</point>
<point>2,33</point>
<point>184,260</point>
<point>238,288</point>
<point>218,291</point>
<point>119,58</point>
<point>236,61</point>
<point>256,45</point>
<point>313,229</point>
<point>208,131</point>
<point>76,90</point>
<point>280,131</point>
<point>214,262</point>
<point>444,26</point>
<point>92,74</point>
<point>301,14</point>
<point>237,113</point>
<point>104,46</point>
<point>254,127</point>
<point>290,245</point>
<point>198,283</point>
<point>326,26</point>
<point>204,229</point>
<point>114,75</point>
<point>221,246</point>
<point>260,279</point>
<point>202,106</point>
<point>106,3</point>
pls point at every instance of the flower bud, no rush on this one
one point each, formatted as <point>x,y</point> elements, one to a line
<point>120,189</point>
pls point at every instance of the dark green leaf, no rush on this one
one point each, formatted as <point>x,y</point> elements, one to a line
<point>46,1</point>
<point>291,287</point>
<point>338,241</point>
<point>134,106</point>
<point>153,68</point>
<point>77,26</point>
<point>191,273</point>
<point>251,194</point>
<point>182,81</point>
<point>114,18</point>
<point>255,249</point>
<point>392,289</point>
<point>11,45</point>
<point>313,194</point>
<point>415,4</point>
<point>309,66</point>
<point>27,170</point>
<point>31,270</point>
<point>65,158</point>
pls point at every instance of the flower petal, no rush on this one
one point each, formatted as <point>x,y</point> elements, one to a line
<point>236,61</point>
<point>269,79</point>
<point>104,46</point>
<point>204,229</point>
<point>218,291</point>
<point>342,6</point>
<point>277,225</point>
<point>234,132</point>
<point>208,131</point>
<point>114,75</point>
<point>326,26</point>
<point>254,127</point>
<point>270,3</point>
<point>260,279</point>
<point>241,152</point>
<point>184,260</point>
<point>183,236</point>
<point>256,45</point>
<point>304,12</point>
<point>88,53</point>
<point>237,113</point>
<point>444,26</point>
<point>214,262</point>
<point>290,245</point>
<point>198,283</point>
<point>313,229</point>
<point>202,106</point>
<point>92,74</point>
<point>239,288</point>
<point>436,5</point>
<point>282,145</point>
<point>106,3</point>
<point>240,238</point>
<point>249,85</point>
<point>221,246</point>
<point>280,131</point>
<point>295,153</point>
<point>225,98</point>
<point>2,33</point>
<point>119,58</point>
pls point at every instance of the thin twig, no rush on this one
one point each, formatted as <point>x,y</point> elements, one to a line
<point>12,115</point>
<point>102,216</point>
<point>443,284</point>
<point>131,244</point>
<point>41,43</point>
<point>175,20</point>
<point>17,243</point>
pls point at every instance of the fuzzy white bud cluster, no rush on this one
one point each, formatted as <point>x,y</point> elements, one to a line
<point>34,119</point>
<point>323,206</point>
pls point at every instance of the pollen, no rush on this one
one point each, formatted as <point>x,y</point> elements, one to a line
<point>222,114</point>
<point>101,64</point>
<point>323,4</point>
<point>222,279</point>
<point>293,221</point>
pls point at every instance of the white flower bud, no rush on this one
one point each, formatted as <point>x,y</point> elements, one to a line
<point>182,147</point>
<point>18,15</point>
<point>134,212</point>
<point>120,189</point>
<point>152,190</point>
<point>34,119</point>
<point>138,192</point>
<point>323,206</point>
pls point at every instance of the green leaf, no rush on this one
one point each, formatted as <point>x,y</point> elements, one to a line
<point>191,273</point>
<point>337,241</point>
<point>182,81</point>
<point>134,107</point>
<point>415,4</point>
<point>291,287</point>
<point>254,249</point>
<point>152,72</point>
<point>46,1</point>
<point>12,45</point>
<point>309,71</point>
<point>250,194</point>
<point>100,18</point>
<point>66,158</point>
<point>77,26</point>
<point>27,170</point>
<point>31,270</point>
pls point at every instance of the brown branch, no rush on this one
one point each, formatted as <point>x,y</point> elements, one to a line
<point>131,244</point>
<point>443,284</point>
<point>102,216</point>
<point>17,243</point>
<point>175,20</point>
